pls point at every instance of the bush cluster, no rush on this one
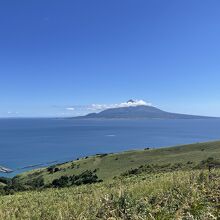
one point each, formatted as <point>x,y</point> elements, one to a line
<point>209,163</point>
<point>87,177</point>
<point>12,185</point>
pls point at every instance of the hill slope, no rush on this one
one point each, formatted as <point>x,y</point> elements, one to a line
<point>108,166</point>
<point>173,194</point>
<point>166,196</point>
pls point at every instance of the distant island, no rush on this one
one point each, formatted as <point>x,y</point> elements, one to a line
<point>133,111</point>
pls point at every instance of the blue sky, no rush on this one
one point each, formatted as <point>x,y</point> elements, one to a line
<point>58,54</point>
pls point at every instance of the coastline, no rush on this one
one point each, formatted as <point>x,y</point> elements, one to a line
<point>5,170</point>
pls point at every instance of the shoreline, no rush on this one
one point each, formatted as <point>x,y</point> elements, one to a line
<point>8,170</point>
<point>5,170</point>
<point>27,168</point>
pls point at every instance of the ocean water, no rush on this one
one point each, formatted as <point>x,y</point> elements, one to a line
<point>29,142</point>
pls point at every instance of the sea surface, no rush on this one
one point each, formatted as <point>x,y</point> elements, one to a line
<point>29,143</point>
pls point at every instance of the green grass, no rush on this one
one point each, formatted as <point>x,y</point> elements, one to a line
<point>173,195</point>
<point>182,194</point>
<point>114,164</point>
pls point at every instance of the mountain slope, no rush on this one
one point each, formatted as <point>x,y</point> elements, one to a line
<point>142,111</point>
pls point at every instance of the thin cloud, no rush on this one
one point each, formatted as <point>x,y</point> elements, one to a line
<point>83,109</point>
<point>131,103</point>
<point>70,109</point>
<point>12,113</point>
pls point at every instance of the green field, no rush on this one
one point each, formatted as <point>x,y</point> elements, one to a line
<point>111,165</point>
<point>156,184</point>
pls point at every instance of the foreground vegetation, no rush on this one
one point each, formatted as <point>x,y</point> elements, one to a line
<point>172,195</point>
<point>172,183</point>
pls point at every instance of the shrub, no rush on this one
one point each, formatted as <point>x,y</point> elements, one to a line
<point>56,169</point>
<point>36,183</point>
<point>61,182</point>
<point>87,177</point>
<point>5,180</point>
<point>53,169</point>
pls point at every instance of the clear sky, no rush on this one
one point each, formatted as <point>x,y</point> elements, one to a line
<point>55,55</point>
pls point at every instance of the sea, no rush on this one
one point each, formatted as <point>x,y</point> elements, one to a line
<point>31,143</point>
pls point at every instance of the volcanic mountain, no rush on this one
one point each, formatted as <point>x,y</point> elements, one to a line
<point>133,111</point>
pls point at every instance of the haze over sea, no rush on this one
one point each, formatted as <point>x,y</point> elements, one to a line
<point>27,142</point>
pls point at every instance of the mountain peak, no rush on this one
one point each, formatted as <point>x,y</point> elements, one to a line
<point>130,101</point>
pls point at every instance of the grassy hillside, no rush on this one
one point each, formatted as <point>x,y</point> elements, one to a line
<point>173,195</point>
<point>154,184</point>
<point>111,165</point>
